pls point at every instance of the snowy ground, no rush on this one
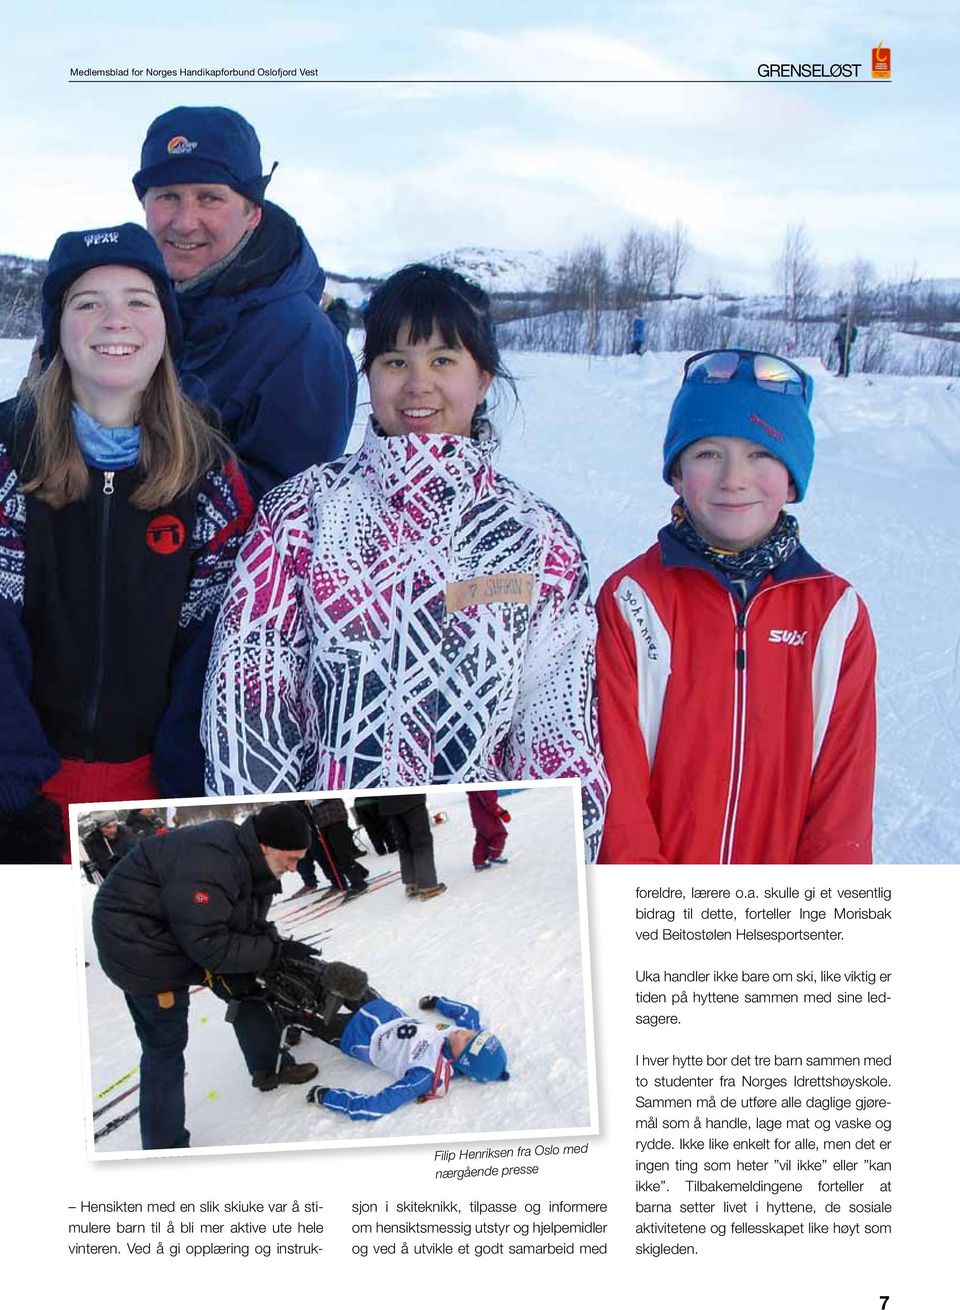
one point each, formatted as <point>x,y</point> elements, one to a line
<point>507,940</point>
<point>881,510</point>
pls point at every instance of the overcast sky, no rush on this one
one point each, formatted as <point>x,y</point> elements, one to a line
<point>378,174</point>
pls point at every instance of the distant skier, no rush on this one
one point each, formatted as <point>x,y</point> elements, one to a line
<point>489,825</point>
<point>846,335</point>
<point>638,338</point>
<point>423,1057</point>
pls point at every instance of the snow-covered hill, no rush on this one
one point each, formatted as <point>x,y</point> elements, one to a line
<point>500,270</point>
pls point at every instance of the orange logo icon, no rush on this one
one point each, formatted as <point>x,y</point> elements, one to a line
<point>881,60</point>
<point>180,145</point>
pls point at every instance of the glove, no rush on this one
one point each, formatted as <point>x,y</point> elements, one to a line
<point>33,835</point>
<point>288,948</point>
<point>316,1094</point>
<point>504,815</point>
<point>427,1002</point>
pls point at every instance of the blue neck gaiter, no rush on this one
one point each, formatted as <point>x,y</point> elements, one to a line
<point>105,448</point>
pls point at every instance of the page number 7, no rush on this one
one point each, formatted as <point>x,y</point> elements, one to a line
<point>883,1302</point>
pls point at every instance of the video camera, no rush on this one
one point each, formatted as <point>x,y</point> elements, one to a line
<point>308,993</point>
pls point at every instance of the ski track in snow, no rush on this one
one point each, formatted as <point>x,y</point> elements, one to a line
<point>506,940</point>
<point>881,511</point>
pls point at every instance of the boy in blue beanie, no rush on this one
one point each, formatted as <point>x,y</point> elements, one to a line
<point>736,674</point>
<point>424,1057</point>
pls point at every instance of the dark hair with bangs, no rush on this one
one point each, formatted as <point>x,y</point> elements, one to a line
<point>428,297</point>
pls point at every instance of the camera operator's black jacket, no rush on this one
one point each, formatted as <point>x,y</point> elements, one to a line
<point>185,902</point>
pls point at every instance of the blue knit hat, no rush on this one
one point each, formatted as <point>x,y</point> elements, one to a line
<point>483,1059</point>
<point>74,253</point>
<point>204,144</point>
<point>738,407</point>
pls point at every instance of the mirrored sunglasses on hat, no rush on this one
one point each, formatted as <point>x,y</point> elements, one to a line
<point>768,372</point>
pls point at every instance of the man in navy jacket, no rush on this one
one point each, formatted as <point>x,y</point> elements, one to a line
<point>257,346</point>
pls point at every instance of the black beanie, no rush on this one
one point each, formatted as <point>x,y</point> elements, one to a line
<point>284,827</point>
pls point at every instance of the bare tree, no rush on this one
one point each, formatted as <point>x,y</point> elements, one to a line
<point>797,277</point>
<point>582,278</point>
<point>676,254</point>
<point>862,285</point>
<point>640,267</point>
<point>905,297</point>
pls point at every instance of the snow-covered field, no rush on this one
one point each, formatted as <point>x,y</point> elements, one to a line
<point>881,510</point>
<point>507,940</point>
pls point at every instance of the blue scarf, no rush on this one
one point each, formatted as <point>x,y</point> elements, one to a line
<point>105,448</point>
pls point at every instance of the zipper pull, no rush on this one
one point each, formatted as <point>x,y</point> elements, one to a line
<point>108,482</point>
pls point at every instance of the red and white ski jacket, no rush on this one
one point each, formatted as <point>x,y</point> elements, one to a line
<point>400,617</point>
<point>735,734</point>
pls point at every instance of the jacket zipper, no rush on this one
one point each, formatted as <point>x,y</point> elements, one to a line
<point>738,735</point>
<point>94,705</point>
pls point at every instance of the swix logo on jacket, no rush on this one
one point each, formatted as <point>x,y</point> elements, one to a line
<point>727,749</point>
<point>340,662</point>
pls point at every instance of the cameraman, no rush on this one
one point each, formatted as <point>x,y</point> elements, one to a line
<point>188,907</point>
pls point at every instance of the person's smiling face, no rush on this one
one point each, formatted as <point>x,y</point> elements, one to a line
<point>196,224</point>
<point>426,387</point>
<point>112,333</point>
<point>733,490</point>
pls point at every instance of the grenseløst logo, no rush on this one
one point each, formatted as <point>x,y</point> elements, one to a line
<point>179,145</point>
<point>880,56</point>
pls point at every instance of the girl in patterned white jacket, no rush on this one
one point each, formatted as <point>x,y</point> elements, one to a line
<point>407,615</point>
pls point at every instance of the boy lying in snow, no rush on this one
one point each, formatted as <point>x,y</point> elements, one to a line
<point>422,1056</point>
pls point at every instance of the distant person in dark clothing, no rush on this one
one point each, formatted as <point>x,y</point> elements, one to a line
<point>367,811</point>
<point>846,335</point>
<point>106,845</point>
<point>410,820</point>
<point>144,823</point>
<point>307,867</point>
<point>490,826</point>
<point>348,874</point>
<point>337,311</point>
<point>190,907</point>
<point>257,346</point>
<point>638,337</point>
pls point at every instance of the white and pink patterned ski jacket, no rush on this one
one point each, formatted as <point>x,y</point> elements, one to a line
<point>403,616</point>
